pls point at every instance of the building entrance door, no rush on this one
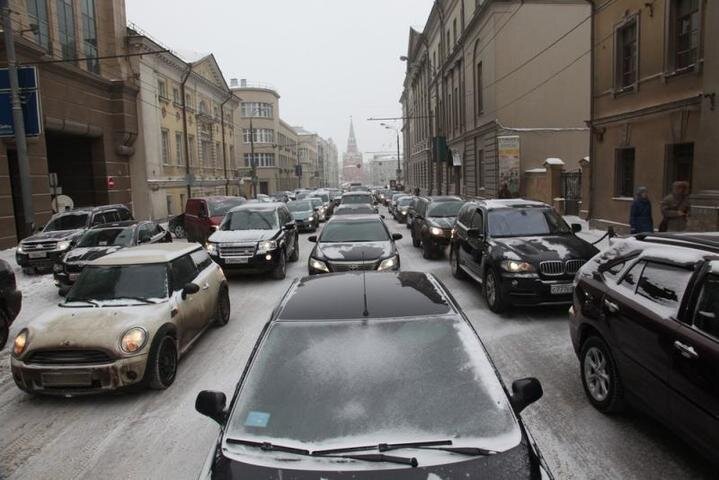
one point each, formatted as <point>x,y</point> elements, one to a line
<point>71,157</point>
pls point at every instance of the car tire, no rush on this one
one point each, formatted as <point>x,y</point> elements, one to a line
<point>222,311</point>
<point>457,271</point>
<point>296,251</point>
<point>600,376</point>
<point>280,271</point>
<point>427,250</point>
<point>415,241</point>
<point>493,292</point>
<point>4,329</point>
<point>179,231</point>
<point>162,364</point>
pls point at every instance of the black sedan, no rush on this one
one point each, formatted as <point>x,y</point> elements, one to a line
<point>379,378</point>
<point>357,242</point>
<point>521,251</point>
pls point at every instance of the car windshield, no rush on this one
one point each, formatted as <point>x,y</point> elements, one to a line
<point>68,221</point>
<point>251,220</point>
<point>218,208</point>
<point>354,231</point>
<point>120,282</point>
<point>316,202</point>
<point>106,237</point>
<point>296,207</point>
<point>354,199</point>
<point>354,210</point>
<point>521,222</point>
<point>404,201</point>
<point>334,384</point>
<point>444,209</point>
<point>323,196</point>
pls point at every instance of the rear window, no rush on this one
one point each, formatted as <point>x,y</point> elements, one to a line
<point>119,237</point>
<point>218,208</point>
<point>444,209</point>
<point>350,199</point>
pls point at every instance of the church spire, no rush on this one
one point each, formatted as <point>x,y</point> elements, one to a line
<point>352,141</point>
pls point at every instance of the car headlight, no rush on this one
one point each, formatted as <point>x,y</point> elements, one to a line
<point>133,340</point>
<point>311,218</point>
<point>318,265</point>
<point>64,245</point>
<point>20,343</point>
<point>20,248</point>
<point>211,248</point>
<point>388,263</point>
<point>266,246</point>
<point>514,266</point>
<point>436,231</point>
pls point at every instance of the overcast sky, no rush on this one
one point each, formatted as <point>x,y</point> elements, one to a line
<point>328,59</point>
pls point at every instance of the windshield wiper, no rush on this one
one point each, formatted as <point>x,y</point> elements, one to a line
<point>373,457</point>
<point>139,299</point>
<point>443,445</point>
<point>267,446</point>
<point>83,300</point>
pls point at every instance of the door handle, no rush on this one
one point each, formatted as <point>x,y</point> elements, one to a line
<point>611,306</point>
<point>686,351</point>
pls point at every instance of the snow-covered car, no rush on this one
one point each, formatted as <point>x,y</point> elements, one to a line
<point>393,384</point>
<point>127,320</point>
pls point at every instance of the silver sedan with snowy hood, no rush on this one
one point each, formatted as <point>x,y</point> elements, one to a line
<point>127,320</point>
<point>392,384</point>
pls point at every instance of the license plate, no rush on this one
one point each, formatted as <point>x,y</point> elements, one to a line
<point>73,276</point>
<point>564,289</point>
<point>66,379</point>
<point>37,254</point>
<point>237,260</point>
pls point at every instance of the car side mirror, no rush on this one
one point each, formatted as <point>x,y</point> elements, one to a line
<point>524,393</point>
<point>40,228</point>
<point>290,225</point>
<point>212,404</point>
<point>382,217</point>
<point>474,233</point>
<point>576,227</point>
<point>312,238</point>
<point>397,236</point>
<point>190,289</point>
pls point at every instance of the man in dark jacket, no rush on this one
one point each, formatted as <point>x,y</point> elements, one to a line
<point>640,217</point>
<point>675,208</point>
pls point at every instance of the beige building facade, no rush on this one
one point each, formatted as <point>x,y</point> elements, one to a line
<point>308,153</point>
<point>655,120</point>
<point>483,103</point>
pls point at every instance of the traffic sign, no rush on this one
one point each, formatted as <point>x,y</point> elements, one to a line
<point>26,76</point>
<point>31,112</point>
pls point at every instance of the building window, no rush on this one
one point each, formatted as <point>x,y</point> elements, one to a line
<point>261,159</point>
<point>165,144</point>
<point>685,25</point>
<point>479,86</point>
<point>260,135</point>
<point>627,52</point>
<point>66,28</point>
<point>205,153</point>
<point>233,161</point>
<point>624,172</point>
<point>191,148</point>
<point>176,95</point>
<point>161,89</point>
<point>179,148</point>
<point>479,169</point>
<point>168,200</point>
<point>680,163</point>
<point>89,40</point>
<point>454,26</point>
<point>256,110</point>
<point>37,13</point>
<point>218,154</point>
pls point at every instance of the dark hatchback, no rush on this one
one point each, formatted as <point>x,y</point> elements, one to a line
<point>645,327</point>
<point>305,215</point>
<point>256,237</point>
<point>357,242</point>
<point>10,300</point>
<point>395,387</point>
<point>521,251</point>
<point>103,240</point>
<point>432,224</point>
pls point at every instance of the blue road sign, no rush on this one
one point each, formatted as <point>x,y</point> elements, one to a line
<point>26,76</point>
<point>31,112</point>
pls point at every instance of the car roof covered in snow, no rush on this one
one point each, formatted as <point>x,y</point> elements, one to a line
<point>493,204</point>
<point>144,254</point>
<point>340,296</point>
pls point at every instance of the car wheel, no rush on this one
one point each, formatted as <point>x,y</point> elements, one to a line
<point>493,292</point>
<point>4,329</point>
<point>280,271</point>
<point>415,241</point>
<point>179,231</point>
<point>600,377</point>
<point>457,271</point>
<point>162,364</point>
<point>222,314</point>
<point>296,252</point>
<point>427,250</point>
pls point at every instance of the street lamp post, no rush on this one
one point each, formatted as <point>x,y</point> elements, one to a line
<point>399,164</point>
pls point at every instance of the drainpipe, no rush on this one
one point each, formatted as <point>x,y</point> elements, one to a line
<point>184,129</point>
<point>224,147</point>
<point>592,156</point>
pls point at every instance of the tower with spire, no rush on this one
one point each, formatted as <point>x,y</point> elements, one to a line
<point>352,166</point>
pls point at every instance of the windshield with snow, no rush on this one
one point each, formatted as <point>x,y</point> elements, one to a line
<point>251,220</point>
<point>300,206</point>
<point>68,221</point>
<point>354,199</point>
<point>522,222</point>
<point>97,283</point>
<point>332,384</point>
<point>444,209</point>
<point>360,231</point>
<point>108,237</point>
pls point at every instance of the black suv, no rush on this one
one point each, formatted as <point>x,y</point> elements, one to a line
<point>258,237</point>
<point>521,251</point>
<point>103,240</point>
<point>432,224</point>
<point>354,242</point>
<point>10,300</point>
<point>42,250</point>
<point>645,326</point>
<point>379,378</point>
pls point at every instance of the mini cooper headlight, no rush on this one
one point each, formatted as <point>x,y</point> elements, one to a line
<point>133,340</point>
<point>514,266</point>
<point>318,265</point>
<point>436,231</point>
<point>388,263</point>
<point>20,343</point>
<point>64,245</point>
<point>266,246</point>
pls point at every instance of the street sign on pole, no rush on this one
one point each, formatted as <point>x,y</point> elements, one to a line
<point>29,100</point>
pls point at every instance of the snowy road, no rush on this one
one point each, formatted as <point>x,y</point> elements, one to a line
<point>158,435</point>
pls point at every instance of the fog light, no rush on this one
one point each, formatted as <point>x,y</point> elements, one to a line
<point>131,375</point>
<point>515,283</point>
<point>268,257</point>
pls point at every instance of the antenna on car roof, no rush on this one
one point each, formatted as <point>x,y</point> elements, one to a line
<point>365,313</point>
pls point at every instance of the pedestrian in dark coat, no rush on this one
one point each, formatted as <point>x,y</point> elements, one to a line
<point>640,216</point>
<point>675,208</point>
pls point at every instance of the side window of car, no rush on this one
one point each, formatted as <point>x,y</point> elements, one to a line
<point>124,214</point>
<point>145,233</point>
<point>201,258</point>
<point>706,316</point>
<point>98,219</point>
<point>478,221</point>
<point>631,278</point>
<point>111,216</point>
<point>465,216</point>
<point>183,272</point>
<point>664,284</point>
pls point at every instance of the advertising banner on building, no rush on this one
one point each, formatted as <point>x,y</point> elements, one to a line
<point>508,152</point>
